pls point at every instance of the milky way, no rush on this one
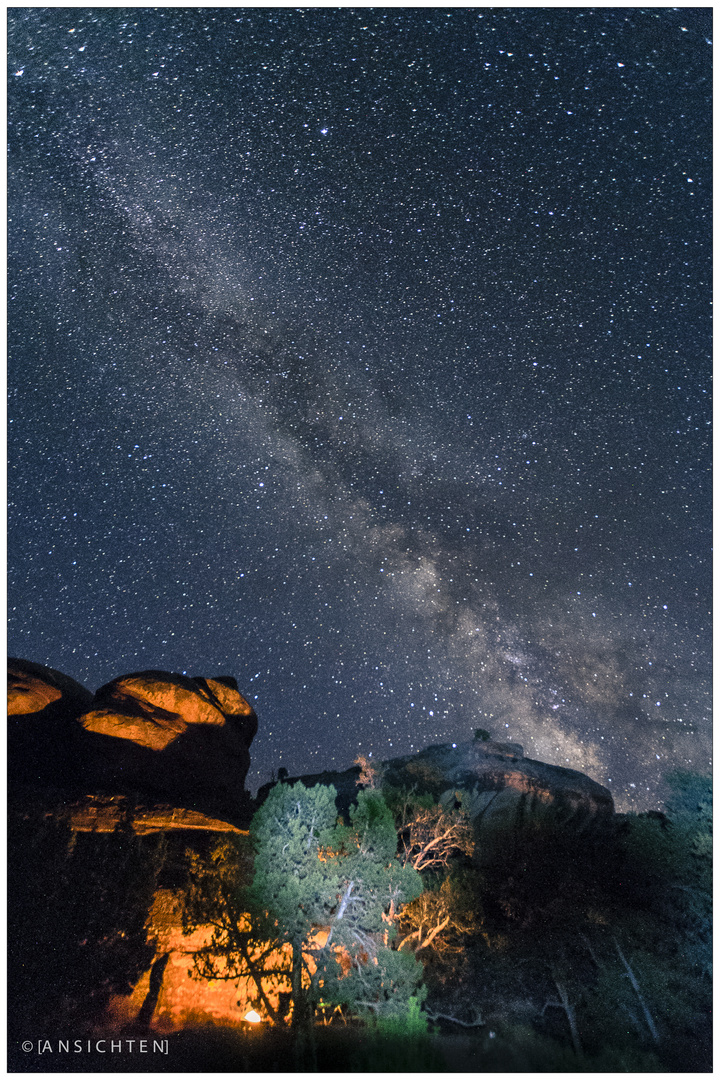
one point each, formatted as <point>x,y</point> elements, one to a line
<point>363,354</point>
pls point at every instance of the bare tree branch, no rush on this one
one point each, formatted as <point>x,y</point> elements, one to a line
<point>569,1012</point>
<point>434,933</point>
<point>636,988</point>
<point>478,1022</point>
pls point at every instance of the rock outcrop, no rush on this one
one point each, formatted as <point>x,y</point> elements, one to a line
<point>505,782</point>
<point>507,787</point>
<point>181,739</point>
<point>116,813</point>
<point>151,737</point>
<point>345,783</point>
<point>43,707</point>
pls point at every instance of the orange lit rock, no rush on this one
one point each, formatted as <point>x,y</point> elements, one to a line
<point>106,813</point>
<point>152,752</point>
<point>172,738</point>
<point>231,702</point>
<point>154,735</point>
<point>43,705</point>
<point>153,732</point>
<point>224,694</point>
<point>184,1001</point>
<point>31,688</point>
<point>150,709</point>
<point>29,694</point>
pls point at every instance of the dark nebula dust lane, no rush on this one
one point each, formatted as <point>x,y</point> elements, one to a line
<point>364,354</point>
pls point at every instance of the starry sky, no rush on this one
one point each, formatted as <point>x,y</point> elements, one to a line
<point>364,355</point>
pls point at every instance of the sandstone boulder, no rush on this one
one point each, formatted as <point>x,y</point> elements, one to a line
<point>43,707</point>
<point>151,709</point>
<point>171,737</point>
<point>32,688</point>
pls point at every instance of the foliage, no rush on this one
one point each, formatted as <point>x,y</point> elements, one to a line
<point>346,878</point>
<point>443,918</point>
<point>368,772</point>
<point>669,864</point>
<point>319,916</point>
<point>293,884</point>
<point>379,985</point>
<point>399,1042</point>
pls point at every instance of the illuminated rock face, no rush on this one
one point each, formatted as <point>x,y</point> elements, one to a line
<point>152,708</point>
<point>178,1000</point>
<point>179,739</point>
<point>109,813</point>
<point>43,705</point>
<point>33,688</point>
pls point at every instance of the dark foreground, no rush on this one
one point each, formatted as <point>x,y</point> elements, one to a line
<point>333,1049</point>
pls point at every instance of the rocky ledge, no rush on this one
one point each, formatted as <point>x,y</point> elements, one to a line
<point>113,813</point>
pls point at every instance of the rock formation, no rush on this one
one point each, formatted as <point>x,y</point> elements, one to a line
<point>43,707</point>
<point>175,738</point>
<point>153,737</point>
<point>507,786</point>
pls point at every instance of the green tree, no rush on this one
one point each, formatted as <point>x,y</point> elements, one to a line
<point>296,878</point>
<point>332,892</point>
<point>372,977</point>
<point>319,915</point>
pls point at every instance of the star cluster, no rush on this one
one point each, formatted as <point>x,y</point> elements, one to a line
<point>363,354</point>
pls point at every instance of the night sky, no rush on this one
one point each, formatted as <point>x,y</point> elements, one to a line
<point>364,355</point>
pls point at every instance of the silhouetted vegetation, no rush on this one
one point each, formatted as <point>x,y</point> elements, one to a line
<point>592,952</point>
<point>77,905</point>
